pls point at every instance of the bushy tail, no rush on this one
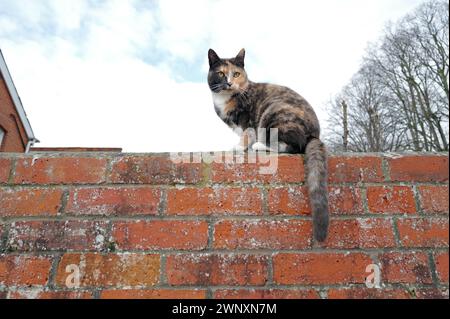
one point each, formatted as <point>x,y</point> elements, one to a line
<point>316,177</point>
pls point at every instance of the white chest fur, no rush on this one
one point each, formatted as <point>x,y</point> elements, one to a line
<point>220,101</point>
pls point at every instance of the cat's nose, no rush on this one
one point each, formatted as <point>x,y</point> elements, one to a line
<point>229,84</point>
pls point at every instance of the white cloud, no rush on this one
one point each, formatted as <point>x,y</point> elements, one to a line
<point>79,67</point>
<point>71,13</point>
<point>184,27</point>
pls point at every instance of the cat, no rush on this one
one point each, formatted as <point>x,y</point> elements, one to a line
<point>247,106</point>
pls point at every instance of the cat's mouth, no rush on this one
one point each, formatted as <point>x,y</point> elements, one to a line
<point>222,88</point>
<point>228,87</point>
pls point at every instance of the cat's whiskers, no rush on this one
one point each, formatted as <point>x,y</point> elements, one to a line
<point>216,86</point>
<point>220,87</point>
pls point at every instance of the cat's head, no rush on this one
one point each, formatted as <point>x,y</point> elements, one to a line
<point>227,75</point>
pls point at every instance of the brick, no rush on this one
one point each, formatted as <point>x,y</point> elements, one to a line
<point>320,268</point>
<point>289,169</point>
<point>423,232</point>
<point>161,234</point>
<point>419,169</point>
<point>41,294</point>
<point>114,201</point>
<point>154,170</point>
<point>266,294</point>
<point>391,200</point>
<point>360,233</point>
<point>5,168</point>
<point>408,267</point>
<point>345,201</point>
<point>24,270</point>
<point>63,170</point>
<point>217,200</point>
<point>263,234</point>
<point>154,294</point>
<point>434,199</point>
<point>366,169</point>
<point>432,293</point>
<point>57,235</point>
<point>3,295</point>
<point>213,269</point>
<point>30,202</point>
<point>366,293</point>
<point>110,270</point>
<point>292,200</point>
<point>441,261</point>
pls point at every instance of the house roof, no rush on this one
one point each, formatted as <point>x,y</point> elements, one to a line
<point>16,100</point>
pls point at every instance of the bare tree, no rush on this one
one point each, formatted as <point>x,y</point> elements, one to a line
<point>345,125</point>
<point>399,98</point>
<point>371,126</point>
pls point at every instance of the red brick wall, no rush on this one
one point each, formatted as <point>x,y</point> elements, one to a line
<point>15,139</point>
<point>140,226</point>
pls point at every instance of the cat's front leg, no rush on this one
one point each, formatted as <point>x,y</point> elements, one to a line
<point>274,148</point>
<point>247,139</point>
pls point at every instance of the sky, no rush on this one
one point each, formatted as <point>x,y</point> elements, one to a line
<point>132,73</point>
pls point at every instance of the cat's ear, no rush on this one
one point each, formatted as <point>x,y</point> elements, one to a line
<point>212,57</point>
<point>240,58</point>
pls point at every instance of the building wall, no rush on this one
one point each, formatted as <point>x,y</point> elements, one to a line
<point>15,138</point>
<point>141,226</point>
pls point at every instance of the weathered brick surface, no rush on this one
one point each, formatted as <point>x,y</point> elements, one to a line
<point>432,293</point>
<point>42,294</point>
<point>419,169</point>
<point>29,201</point>
<point>110,270</point>
<point>161,234</point>
<point>292,200</point>
<point>266,294</point>
<point>153,170</point>
<point>315,268</point>
<point>5,169</point>
<point>65,170</point>
<point>217,200</point>
<point>16,270</point>
<point>434,199</point>
<point>366,293</point>
<point>214,270</point>
<point>395,199</point>
<point>256,234</point>
<point>441,261</point>
<point>154,294</point>
<point>345,200</point>
<point>114,201</point>
<point>143,226</point>
<point>57,235</point>
<point>289,169</point>
<point>411,267</point>
<point>361,233</point>
<point>423,232</point>
<point>355,169</point>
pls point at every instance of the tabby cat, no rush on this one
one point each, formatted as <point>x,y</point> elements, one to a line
<point>251,107</point>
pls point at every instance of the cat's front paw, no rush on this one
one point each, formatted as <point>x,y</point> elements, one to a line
<point>258,146</point>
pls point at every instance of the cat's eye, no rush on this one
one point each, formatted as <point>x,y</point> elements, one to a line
<point>221,74</point>
<point>236,74</point>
